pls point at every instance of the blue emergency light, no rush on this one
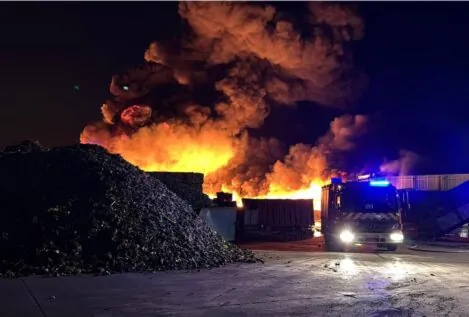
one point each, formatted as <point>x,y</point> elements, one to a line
<point>336,180</point>
<point>379,183</point>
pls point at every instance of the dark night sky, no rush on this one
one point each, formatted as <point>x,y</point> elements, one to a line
<point>415,55</point>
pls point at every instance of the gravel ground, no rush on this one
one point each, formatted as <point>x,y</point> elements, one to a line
<point>288,284</point>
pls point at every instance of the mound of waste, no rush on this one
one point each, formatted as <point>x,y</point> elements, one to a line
<point>189,189</point>
<point>79,209</point>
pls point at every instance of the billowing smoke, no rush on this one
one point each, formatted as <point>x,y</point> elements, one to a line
<point>190,107</point>
<point>317,67</point>
<point>402,166</point>
<point>304,164</point>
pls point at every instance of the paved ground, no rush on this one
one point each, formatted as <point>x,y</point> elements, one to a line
<point>406,283</point>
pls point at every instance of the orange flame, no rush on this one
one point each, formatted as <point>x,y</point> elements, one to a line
<point>175,148</point>
<point>262,56</point>
<point>312,192</point>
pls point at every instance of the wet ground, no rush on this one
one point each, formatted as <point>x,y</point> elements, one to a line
<point>406,283</point>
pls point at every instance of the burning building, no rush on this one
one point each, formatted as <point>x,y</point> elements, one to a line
<point>192,105</point>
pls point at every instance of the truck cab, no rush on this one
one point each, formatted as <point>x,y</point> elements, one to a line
<point>361,213</point>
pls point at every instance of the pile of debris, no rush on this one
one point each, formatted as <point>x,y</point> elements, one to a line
<point>79,209</point>
<point>188,186</point>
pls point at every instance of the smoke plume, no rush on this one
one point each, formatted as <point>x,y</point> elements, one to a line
<point>304,164</point>
<point>402,166</point>
<point>190,106</point>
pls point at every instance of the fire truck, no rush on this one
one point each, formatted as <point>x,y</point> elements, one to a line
<point>361,212</point>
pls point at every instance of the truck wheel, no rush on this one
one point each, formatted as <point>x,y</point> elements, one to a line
<point>391,247</point>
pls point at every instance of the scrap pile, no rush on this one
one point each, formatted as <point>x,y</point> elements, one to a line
<point>79,209</point>
<point>188,186</point>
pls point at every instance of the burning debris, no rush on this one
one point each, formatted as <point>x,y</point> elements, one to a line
<point>79,209</point>
<point>190,107</point>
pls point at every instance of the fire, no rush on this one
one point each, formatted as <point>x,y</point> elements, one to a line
<point>277,192</point>
<point>195,103</point>
<point>311,192</point>
<point>174,148</point>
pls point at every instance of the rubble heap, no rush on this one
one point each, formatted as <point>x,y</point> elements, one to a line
<point>188,186</point>
<point>79,209</point>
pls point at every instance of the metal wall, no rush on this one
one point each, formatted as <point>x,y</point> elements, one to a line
<point>275,220</point>
<point>434,205</point>
<point>278,212</point>
<point>428,182</point>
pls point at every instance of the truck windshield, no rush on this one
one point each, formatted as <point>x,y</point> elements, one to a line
<point>371,199</point>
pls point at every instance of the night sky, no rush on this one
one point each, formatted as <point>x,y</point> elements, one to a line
<point>415,54</point>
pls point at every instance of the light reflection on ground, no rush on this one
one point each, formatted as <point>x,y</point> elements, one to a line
<point>396,271</point>
<point>348,266</point>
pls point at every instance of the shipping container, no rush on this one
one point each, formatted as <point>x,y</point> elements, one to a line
<point>280,212</point>
<point>275,220</point>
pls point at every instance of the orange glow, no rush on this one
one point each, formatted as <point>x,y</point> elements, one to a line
<point>195,103</point>
<point>277,192</point>
<point>175,148</point>
<point>311,192</point>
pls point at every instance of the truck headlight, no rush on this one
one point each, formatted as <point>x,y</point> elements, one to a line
<point>346,236</point>
<point>397,236</point>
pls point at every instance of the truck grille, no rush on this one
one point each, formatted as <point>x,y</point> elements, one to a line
<point>375,226</point>
<point>370,216</point>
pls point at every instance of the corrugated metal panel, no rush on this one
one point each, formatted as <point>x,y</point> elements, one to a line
<point>401,182</point>
<point>324,203</point>
<point>251,217</point>
<point>279,212</point>
<point>451,181</point>
<point>428,182</point>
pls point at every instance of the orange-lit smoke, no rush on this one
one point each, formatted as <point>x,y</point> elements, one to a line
<point>254,171</point>
<point>190,108</point>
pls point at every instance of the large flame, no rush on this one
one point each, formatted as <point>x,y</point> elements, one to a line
<point>175,148</point>
<point>193,106</point>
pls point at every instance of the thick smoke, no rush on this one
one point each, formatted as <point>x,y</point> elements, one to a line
<point>190,106</point>
<point>402,166</point>
<point>317,68</point>
<point>304,164</point>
